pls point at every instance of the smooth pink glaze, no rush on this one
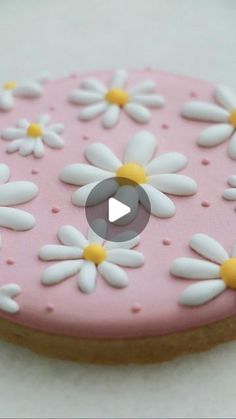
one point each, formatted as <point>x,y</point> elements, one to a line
<point>62,308</point>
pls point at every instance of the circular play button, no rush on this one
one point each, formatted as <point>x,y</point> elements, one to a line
<point>123,204</point>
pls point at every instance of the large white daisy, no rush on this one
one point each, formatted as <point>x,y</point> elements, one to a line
<point>156,177</point>
<point>224,115</point>
<point>27,89</point>
<point>216,274</point>
<point>30,137</point>
<point>230,193</point>
<point>87,256</point>
<point>15,193</point>
<point>110,101</point>
<point>7,293</point>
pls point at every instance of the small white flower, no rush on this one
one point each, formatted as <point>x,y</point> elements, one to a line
<point>7,293</point>
<point>86,257</point>
<point>109,101</point>
<point>12,89</point>
<point>216,276</point>
<point>15,193</point>
<point>224,115</point>
<point>30,137</point>
<point>230,193</point>
<point>156,177</point>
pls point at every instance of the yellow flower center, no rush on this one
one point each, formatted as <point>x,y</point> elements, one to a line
<point>232,118</point>
<point>10,85</point>
<point>117,96</point>
<point>95,253</point>
<point>133,172</point>
<point>228,272</point>
<point>34,131</point>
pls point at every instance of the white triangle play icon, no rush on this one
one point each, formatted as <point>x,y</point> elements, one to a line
<point>116,210</point>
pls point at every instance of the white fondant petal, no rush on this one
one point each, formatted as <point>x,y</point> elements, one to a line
<point>137,112</point>
<point>6,101</point>
<point>81,174</point>
<point>161,205</point>
<point>94,85</point>
<point>215,135</point>
<point>16,219</point>
<point>80,196</point>
<point>226,97</point>
<point>141,148</point>
<point>121,241</point>
<point>44,120</point>
<point>87,277</point>
<point>57,128</point>
<point>14,146</point>
<point>23,123</point>
<point>52,139</point>
<point>146,86</point>
<point>85,97</point>
<point>14,193</point>
<point>167,163</point>
<point>12,133</point>
<point>4,173</point>
<point>209,248</point>
<point>232,147</point>
<point>232,181</point>
<point>38,148</point>
<point>111,116</point>
<point>59,252</point>
<point>194,269</point>
<point>119,79</point>
<point>28,89</point>
<point>174,184</point>
<point>101,156</point>
<point>230,194</point>
<point>27,147</point>
<point>7,292</point>
<point>92,111</point>
<point>152,101</point>
<point>234,250</point>
<point>202,292</point>
<point>113,274</point>
<point>70,236</point>
<point>125,257</point>
<point>203,111</point>
<point>60,271</point>
<point>97,231</point>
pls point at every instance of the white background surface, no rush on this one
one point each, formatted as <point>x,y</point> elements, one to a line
<point>194,37</point>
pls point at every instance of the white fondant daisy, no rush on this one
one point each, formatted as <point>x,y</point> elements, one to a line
<point>87,256</point>
<point>15,193</point>
<point>216,275</point>
<point>27,89</point>
<point>29,137</point>
<point>157,177</point>
<point>230,193</point>
<point>7,293</point>
<point>99,99</point>
<point>224,115</point>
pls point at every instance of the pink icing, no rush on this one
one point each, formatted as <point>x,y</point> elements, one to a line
<point>107,312</point>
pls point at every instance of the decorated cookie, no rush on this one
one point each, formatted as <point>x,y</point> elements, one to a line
<point>68,290</point>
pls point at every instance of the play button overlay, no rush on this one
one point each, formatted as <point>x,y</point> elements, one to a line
<point>117,210</point>
<point>123,204</point>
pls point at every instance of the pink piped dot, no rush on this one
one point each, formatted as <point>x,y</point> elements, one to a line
<point>165,126</point>
<point>10,261</point>
<point>205,204</point>
<point>50,307</point>
<point>166,242</point>
<point>193,94</point>
<point>136,308</point>
<point>73,76</point>
<point>34,171</point>
<point>55,210</point>
<point>85,137</point>
<point>205,162</point>
<point>51,108</point>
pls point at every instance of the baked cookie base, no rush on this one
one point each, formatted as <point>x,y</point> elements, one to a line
<point>120,351</point>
